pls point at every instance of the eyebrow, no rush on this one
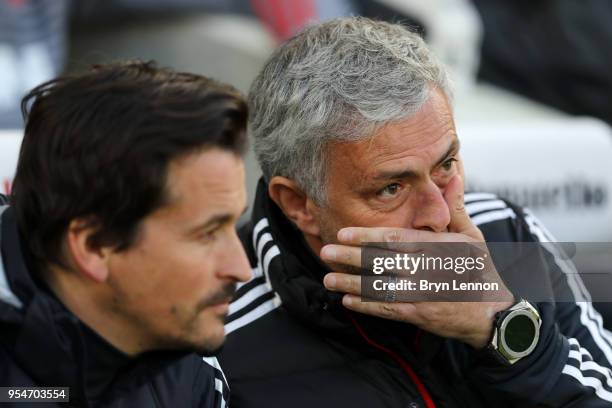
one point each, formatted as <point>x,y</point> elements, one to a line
<point>403,174</point>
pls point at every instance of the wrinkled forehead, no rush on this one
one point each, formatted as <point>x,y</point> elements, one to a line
<point>417,142</point>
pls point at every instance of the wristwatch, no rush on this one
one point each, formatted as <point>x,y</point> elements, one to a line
<point>516,332</point>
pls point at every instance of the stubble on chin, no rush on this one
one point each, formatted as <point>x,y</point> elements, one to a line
<point>329,235</point>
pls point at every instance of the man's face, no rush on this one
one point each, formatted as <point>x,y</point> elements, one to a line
<point>396,178</point>
<point>174,284</point>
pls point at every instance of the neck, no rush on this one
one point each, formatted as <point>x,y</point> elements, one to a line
<point>90,302</point>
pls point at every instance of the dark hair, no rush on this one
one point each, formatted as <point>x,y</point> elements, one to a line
<point>98,145</point>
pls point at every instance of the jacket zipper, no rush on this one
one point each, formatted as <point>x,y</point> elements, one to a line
<point>425,396</point>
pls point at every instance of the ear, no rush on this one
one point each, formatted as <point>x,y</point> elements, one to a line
<point>295,204</point>
<point>90,261</point>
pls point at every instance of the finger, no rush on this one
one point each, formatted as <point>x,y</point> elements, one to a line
<point>404,312</point>
<point>361,235</point>
<point>342,254</point>
<point>342,282</point>
<point>460,221</point>
<point>353,256</point>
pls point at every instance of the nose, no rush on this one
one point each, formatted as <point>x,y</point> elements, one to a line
<point>235,264</point>
<point>431,209</point>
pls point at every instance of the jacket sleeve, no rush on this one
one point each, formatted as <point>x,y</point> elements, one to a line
<point>571,365</point>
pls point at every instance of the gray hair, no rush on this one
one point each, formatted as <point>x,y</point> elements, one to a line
<point>336,81</point>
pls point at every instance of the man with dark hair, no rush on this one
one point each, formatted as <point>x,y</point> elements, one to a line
<point>118,247</point>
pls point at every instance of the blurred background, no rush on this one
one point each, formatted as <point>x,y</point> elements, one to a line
<point>532,79</point>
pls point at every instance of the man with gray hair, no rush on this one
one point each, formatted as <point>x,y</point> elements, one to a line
<point>354,132</point>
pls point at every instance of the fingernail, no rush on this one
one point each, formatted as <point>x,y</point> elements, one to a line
<point>328,252</point>
<point>330,281</point>
<point>347,300</point>
<point>345,235</point>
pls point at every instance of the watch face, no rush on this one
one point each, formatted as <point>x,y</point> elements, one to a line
<point>519,334</point>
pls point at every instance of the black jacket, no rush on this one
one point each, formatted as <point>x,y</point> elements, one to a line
<point>44,344</point>
<point>291,343</point>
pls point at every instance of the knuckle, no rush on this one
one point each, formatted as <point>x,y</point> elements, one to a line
<point>435,317</point>
<point>353,284</point>
<point>387,310</point>
<point>393,236</point>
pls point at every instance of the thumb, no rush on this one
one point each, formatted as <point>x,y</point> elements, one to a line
<point>460,221</point>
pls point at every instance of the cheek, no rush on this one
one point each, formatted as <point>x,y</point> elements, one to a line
<point>392,214</point>
<point>168,275</point>
<point>355,212</point>
<point>328,227</point>
<point>346,211</point>
<point>398,218</point>
<point>188,273</point>
<point>364,216</point>
<point>134,273</point>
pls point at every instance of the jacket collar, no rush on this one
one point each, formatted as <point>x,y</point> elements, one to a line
<point>298,277</point>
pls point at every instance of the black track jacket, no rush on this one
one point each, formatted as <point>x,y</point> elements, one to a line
<point>292,344</point>
<point>44,344</point>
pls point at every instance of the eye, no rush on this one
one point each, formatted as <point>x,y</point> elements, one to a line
<point>389,191</point>
<point>209,236</point>
<point>448,164</point>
